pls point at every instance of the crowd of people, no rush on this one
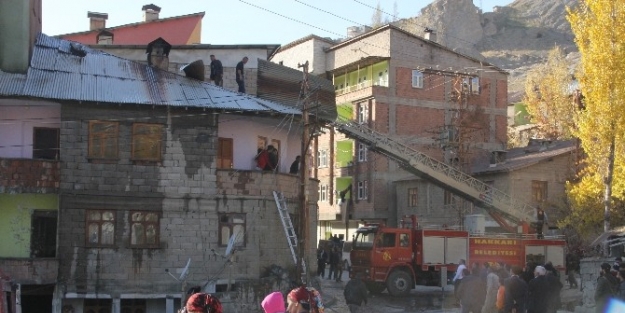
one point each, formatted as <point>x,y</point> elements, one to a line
<point>499,288</point>
<point>610,285</point>
<point>333,258</point>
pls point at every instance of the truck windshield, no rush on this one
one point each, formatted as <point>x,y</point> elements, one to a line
<point>364,240</point>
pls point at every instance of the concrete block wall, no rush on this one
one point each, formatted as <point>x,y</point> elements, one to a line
<point>589,272</point>
<point>30,271</point>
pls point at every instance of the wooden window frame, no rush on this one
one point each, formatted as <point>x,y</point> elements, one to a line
<point>152,136</point>
<point>223,242</point>
<point>146,224</point>
<point>100,223</point>
<point>541,186</point>
<point>114,137</point>
<point>413,197</point>
<point>222,161</point>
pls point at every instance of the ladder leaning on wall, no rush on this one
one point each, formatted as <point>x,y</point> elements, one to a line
<point>287,224</point>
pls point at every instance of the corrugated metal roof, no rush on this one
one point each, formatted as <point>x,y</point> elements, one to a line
<point>61,70</point>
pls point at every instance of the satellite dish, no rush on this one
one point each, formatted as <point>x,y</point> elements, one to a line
<point>185,271</point>
<point>231,242</point>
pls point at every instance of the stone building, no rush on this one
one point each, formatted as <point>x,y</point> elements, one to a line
<point>149,170</point>
<point>446,104</point>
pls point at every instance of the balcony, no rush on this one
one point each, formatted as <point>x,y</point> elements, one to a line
<point>361,86</point>
<point>29,176</point>
<point>261,184</point>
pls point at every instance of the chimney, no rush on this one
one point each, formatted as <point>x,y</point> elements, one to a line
<point>20,24</point>
<point>97,20</point>
<point>150,12</point>
<point>429,34</point>
<point>158,53</point>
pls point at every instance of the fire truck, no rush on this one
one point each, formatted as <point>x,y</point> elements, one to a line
<point>399,258</point>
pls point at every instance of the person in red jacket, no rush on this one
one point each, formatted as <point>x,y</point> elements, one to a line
<point>262,159</point>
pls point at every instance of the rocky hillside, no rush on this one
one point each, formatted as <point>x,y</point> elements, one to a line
<point>513,37</point>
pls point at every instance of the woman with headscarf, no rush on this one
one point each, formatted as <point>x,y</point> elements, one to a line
<point>273,303</point>
<point>304,300</point>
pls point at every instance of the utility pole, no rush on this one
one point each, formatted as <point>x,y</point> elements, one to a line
<point>303,193</point>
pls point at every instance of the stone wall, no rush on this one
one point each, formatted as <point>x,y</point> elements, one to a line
<point>30,271</point>
<point>589,272</point>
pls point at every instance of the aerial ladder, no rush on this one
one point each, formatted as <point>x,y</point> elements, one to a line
<point>513,215</point>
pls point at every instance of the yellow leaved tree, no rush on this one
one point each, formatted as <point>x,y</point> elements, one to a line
<point>599,29</point>
<point>550,97</point>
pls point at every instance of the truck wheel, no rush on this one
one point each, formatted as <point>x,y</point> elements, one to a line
<point>399,283</point>
<point>375,288</point>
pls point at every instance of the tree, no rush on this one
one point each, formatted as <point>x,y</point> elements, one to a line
<point>376,19</point>
<point>599,26</point>
<point>550,97</point>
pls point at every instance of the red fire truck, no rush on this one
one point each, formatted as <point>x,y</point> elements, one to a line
<point>397,259</point>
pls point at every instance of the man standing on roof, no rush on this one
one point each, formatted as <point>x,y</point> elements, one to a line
<point>240,77</point>
<point>217,71</point>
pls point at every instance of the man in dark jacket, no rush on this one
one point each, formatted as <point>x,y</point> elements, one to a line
<point>355,293</point>
<point>515,295</point>
<point>217,71</point>
<point>606,285</point>
<point>470,292</point>
<point>541,292</point>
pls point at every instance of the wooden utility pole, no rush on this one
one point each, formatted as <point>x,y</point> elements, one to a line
<point>303,193</point>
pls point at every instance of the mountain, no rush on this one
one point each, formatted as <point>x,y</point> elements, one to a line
<point>514,37</point>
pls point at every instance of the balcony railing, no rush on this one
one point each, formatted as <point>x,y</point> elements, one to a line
<point>362,85</point>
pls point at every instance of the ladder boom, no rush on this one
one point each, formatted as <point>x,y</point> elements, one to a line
<point>495,202</point>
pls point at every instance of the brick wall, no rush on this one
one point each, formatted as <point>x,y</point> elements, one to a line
<point>29,176</point>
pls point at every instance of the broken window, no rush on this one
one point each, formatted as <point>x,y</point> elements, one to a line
<point>103,139</point>
<point>46,143</point>
<point>232,224</point>
<point>100,227</point>
<point>43,234</point>
<point>144,228</point>
<point>146,142</point>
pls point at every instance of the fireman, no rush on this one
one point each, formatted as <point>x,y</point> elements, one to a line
<point>541,219</point>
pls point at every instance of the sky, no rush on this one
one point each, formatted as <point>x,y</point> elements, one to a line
<point>230,22</point>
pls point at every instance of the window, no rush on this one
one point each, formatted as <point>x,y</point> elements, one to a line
<point>97,305</point>
<point>261,143</point>
<point>447,197</point>
<point>43,234</point>
<point>475,85</point>
<point>322,158</point>
<point>323,193</point>
<point>146,141</point>
<point>363,114</point>
<point>103,139</point>
<point>417,79</point>
<point>362,152</point>
<point>404,240</point>
<point>412,197</point>
<point>100,228</point>
<point>386,240</point>
<point>362,190</point>
<point>225,153</point>
<point>144,228</point>
<point>472,85</point>
<point>132,306</point>
<point>46,143</point>
<point>230,224</point>
<point>539,191</point>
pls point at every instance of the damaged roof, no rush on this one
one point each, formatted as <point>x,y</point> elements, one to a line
<point>517,158</point>
<point>64,70</point>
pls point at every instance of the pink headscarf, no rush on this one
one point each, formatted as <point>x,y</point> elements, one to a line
<point>273,303</point>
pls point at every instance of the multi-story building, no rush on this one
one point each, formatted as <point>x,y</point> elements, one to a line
<point>151,181</point>
<point>443,103</point>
